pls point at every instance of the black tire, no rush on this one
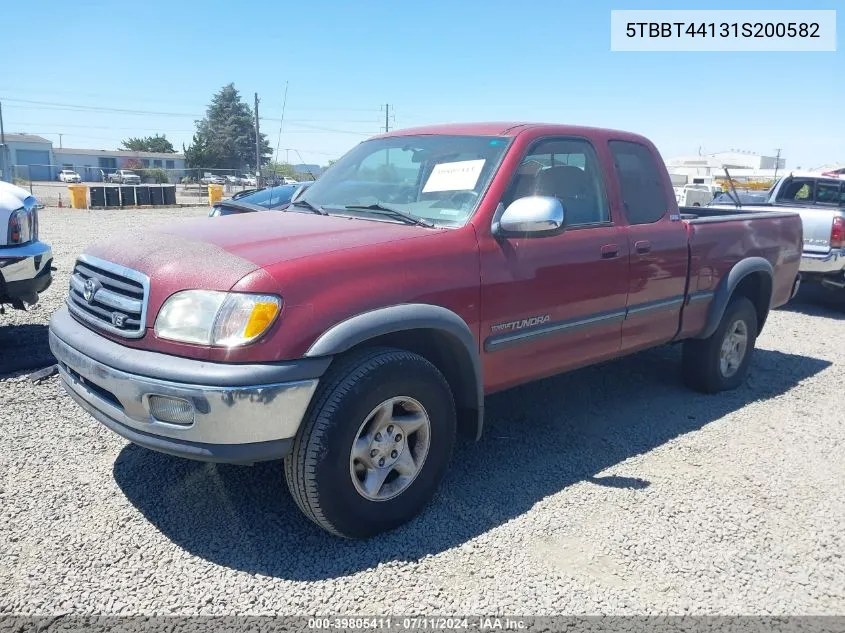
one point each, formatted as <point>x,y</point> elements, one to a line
<point>702,357</point>
<point>317,470</point>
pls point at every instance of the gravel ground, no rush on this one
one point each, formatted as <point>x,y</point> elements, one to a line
<point>608,490</point>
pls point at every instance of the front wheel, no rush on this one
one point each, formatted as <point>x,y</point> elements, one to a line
<point>721,362</point>
<point>375,443</point>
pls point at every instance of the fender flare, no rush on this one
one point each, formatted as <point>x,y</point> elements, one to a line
<point>408,316</point>
<point>725,290</point>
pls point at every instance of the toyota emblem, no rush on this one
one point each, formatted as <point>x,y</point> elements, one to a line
<point>90,289</point>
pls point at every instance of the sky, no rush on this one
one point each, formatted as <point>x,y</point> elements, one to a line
<point>98,75</point>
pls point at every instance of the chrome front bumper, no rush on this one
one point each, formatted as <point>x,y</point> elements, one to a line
<point>25,270</point>
<point>237,422</point>
<point>830,263</point>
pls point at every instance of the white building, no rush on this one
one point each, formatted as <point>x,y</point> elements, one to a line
<point>748,160</point>
<point>707,168</point>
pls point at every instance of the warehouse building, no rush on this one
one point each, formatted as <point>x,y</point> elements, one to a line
<point>32,157</point>
<point>92,164</point>
<point>31,150</point>
<point>707,168</point>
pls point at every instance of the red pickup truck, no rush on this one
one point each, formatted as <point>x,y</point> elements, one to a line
<point>357,332</point>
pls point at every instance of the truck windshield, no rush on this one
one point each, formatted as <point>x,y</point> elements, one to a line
<point>438,178</point>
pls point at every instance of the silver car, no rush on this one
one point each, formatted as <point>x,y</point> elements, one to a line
<point>125,177</point>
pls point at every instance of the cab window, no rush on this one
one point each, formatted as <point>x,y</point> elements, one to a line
<point>828,192</point>
<point>566,169</point>
<point>797,190</point>
<point>643,193</point>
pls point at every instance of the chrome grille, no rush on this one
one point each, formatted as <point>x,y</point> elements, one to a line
<point>109,296</point>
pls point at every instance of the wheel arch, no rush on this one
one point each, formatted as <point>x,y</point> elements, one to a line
<point>435,333</point>
<point>751,277</point>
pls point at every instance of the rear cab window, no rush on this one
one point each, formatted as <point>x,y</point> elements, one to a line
<point>640,182</point>
<point>829,192</point>
<point>797,190</point>
<point>803,190</point>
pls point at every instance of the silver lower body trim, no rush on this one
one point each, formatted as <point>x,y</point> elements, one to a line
<point>223,415</point>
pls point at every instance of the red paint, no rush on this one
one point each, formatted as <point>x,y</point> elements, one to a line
<point>329,269</point>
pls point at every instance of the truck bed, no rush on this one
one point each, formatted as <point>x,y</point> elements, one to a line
<point>718,238</point>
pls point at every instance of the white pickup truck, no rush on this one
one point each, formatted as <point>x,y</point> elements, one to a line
<point>693,195</point>
<point>820,201</point>
<point>25,262</point>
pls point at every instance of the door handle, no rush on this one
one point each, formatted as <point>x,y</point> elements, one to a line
<point>609,251</point>
<point>642,247</point>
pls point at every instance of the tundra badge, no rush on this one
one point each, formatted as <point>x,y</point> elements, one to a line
<point>519,325</point>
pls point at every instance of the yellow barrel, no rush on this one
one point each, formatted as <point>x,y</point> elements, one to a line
<point>215,194</point>
<point>78,196</point>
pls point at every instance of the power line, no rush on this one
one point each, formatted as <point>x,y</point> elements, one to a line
<point>76,93</point>
<point>80,108</point>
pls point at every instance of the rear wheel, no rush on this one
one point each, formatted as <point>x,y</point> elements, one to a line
<point>375,444</point>
<point>721,361</point>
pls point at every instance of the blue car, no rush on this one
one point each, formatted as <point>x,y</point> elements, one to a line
<point>267,199</point>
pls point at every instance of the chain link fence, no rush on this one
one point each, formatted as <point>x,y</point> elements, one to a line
<point>48,183</point>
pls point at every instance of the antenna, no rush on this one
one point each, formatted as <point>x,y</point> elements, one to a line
<point>279,140</point>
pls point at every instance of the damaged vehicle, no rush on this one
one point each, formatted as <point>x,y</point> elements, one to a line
<point>357,333</point>
<point>25,262</point>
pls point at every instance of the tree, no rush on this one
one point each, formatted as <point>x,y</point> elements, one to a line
<point>280,170</point>
<point>157,143</point>
<point>225,138</point>
<point>200,154</point>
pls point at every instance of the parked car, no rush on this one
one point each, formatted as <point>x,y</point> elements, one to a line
<point>249,181</point>
<point>234,180</point>
<point>68,175</point>
<point>426,269</point>
<point>125,177</point>
<point>25,262</point>
<point>820,200</point>
<point>271,198</point>
<point>693,195</point>
<point>212,179</point>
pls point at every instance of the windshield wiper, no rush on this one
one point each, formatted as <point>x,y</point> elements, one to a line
<point>395,213</point>
<point>307,205</point>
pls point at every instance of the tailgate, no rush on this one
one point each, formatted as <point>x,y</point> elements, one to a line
<point>817,226</point>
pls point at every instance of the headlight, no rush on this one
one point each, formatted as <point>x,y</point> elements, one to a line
<point>22,227</point>
<point>208,317</point>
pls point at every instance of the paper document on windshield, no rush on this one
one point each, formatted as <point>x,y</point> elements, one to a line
<point>461,175</point>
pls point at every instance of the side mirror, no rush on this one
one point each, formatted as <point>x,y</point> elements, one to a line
<point>532,216</point>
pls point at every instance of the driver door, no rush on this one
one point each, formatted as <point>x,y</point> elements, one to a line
<point>554,303</point>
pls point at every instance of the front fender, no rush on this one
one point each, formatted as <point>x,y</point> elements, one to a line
<point>412,316</point>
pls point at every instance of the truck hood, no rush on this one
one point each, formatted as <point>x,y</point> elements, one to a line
<point>12,197</point>
<point>215,253</point>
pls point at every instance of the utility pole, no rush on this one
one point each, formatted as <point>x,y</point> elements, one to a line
<point>60,140</point>
<point>3,175</point>
<point>386,130</point>
<point>777,163</point>
<point>257,146</point>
